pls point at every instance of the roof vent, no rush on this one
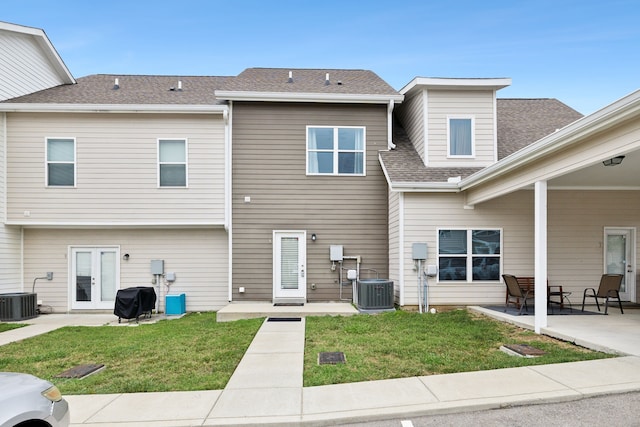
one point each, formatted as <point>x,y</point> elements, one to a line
<point>180,85</point>
<point>116,84</point>
<point>326,80</point>
<point>290,77</point>
<point>339,83</point>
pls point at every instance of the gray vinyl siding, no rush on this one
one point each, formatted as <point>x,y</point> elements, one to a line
<point>269,166</point>
<point>411,116</point>
<point>116,169</point>
<point>576,222</point>
<point>25,68</point>
<point>199,258</point>
<point>478,104</point>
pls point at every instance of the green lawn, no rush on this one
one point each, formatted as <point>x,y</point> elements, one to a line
<point>9,326</point>
<point>197,353</point>
<point>401,344</point>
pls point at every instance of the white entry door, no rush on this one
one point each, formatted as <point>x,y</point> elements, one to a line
<point>95,278</point>
<point>289,265</point>
<point>619,257</point>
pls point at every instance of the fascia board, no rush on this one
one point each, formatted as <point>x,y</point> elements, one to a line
<point>113,108</point>
<point>617,112</point>
<point>307,97</point>
<point>456,84</point>
<point>114,224</point>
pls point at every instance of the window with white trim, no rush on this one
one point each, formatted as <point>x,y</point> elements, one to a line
<point>61,162</point>
<point>460,136</point>
<point>172,162</point>
<point>469,255</point>
<point>335,150</point>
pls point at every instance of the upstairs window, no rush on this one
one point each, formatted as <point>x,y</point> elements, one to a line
<point>460,136</point>
<point>172,162</point>
<point>469,255</point>
<point>61,162</point>
<point>335,150</point>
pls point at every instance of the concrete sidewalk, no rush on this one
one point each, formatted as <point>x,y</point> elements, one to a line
<point>266,388</point>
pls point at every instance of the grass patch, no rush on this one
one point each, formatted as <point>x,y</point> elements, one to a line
<point>401,344</point>
<point>9,326</point>
<point>191,353</point>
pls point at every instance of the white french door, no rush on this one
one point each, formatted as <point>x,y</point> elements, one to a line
<point>619,258</point>
<point>289,265</point>
<point>95,277</point>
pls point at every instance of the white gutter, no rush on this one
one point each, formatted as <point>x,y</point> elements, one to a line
<point>434,187</point>
<point>112,108</point>
<point>607,117</point>
<point>306,97</point>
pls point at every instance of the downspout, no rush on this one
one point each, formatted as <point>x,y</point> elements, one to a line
<point>390,144</point>
<point>401,248</point>
<point>228,195</point>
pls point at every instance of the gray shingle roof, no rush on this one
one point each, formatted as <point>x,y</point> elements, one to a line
<point>99,89</point>
<point>276,80</point>
<point>524,121</point>
<point>521,122</point>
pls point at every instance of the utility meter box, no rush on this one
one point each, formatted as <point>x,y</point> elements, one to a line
<point>157,266</point>
<point>419,251</point>
<point>335,253</point>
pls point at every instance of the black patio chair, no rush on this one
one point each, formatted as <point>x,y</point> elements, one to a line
<point>609,289</point>
<point>515,294</point>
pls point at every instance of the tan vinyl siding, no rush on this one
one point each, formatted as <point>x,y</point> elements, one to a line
<point>477,104</point>
<point>269,166</point>
<point>25,68</point>
<point>411,116</point>
<point>199,258</point>
<point>576,222</point>
<point>10,237</point>
<point>426,213</point>
<point>116,169</point>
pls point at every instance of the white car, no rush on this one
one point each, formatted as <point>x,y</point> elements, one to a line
<point>26,400</point>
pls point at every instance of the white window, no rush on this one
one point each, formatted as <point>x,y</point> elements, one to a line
<point>460,131</point>
<point>172,162</point>
<point>61,162</point>
<point>335,150</point>
<point>469,255</point>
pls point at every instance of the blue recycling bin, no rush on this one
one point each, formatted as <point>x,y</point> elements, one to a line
<point>175,304</point>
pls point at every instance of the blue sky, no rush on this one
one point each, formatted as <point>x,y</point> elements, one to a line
<point>584,53</point>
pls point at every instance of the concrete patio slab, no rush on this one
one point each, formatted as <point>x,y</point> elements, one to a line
<point>237,310</point>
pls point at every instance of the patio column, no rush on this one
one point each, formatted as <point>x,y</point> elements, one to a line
<point>540,261</point>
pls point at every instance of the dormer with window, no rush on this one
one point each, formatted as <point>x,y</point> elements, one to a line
<point>452,122</point>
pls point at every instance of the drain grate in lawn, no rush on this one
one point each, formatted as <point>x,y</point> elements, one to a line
<point>522,350</point>
<point>331,358</point>
<point>81,371</point>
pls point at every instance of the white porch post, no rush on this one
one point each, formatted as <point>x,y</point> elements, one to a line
<point>540,242</point>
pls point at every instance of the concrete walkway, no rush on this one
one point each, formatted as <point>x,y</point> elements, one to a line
<point>266,388</point>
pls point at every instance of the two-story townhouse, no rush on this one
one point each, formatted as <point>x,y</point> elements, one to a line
<point>306,178</point>
<point>111,173</point>
<point>29,64</point>
<point>521,186</point>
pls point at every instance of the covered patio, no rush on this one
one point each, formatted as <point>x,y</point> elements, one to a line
<point>585,182</point>
<point>614,333</point>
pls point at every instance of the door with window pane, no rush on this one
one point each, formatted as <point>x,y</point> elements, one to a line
<point>94,278</point>
<point>619,259</point>
<point>289,258</point>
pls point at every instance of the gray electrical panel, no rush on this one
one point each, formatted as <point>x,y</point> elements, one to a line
<point>335,253</point>
<point>419,251</point>
<point>157,266</point>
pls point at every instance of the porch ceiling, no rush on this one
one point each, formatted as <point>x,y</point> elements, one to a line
<point>623,176</point>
